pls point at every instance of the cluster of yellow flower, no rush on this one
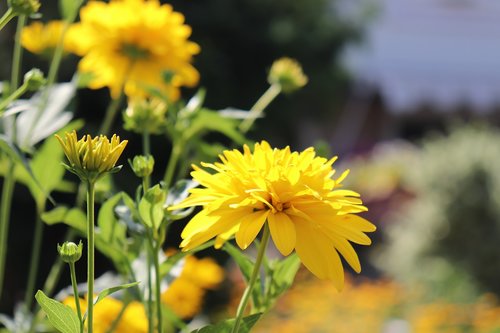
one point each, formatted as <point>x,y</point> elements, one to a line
<point>374,306</point>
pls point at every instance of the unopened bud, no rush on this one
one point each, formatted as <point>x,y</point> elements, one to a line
<point>143,165</point>
<point>70,252</point>
<point>287,73</point>
<point>24,7</point>
<point>34,79</point>
<point>146,116</point>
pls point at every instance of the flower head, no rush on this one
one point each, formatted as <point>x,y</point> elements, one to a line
<point>90,158</point>
<point>42,38</point>
<point>24,7</point>
<point>305,208</point>
<point>145,115</point>
<point>131,43</point>
<point>288,74</point>
<point>70,252</point>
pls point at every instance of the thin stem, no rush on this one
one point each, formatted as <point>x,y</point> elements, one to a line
<point>9,15</point>
<point>75,293</point>
<point>17,56</point>
<point>90,255</point>
<point>259,106</point>
<point>111,113</point>
<point>156,262</point>
<point>172,163</point>
<point>12,97</point>
<point>146,150</point>
<point>5,205</point>
<point>253,278</point>
<point>150,290</point>
<point>35,256</point>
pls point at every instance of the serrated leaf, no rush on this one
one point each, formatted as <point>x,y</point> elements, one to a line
<point>151,207</point>
<point>61,316</point>
<point>226,326</point>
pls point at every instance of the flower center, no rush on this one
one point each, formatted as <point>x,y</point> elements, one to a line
<point>134,52</point>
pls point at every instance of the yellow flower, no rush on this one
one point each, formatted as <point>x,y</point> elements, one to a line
<point>287,73</point>
<point>204,272</point>
<point>134,42</point>
<point>133,319</point>
<point>90,158</point>
<point>305,208</point>
<point>184,297</point>
<point>42,38</point>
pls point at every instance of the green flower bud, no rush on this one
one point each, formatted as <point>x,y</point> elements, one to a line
<point>70,252</point>
<point>145,115</point>
<point>34,79</point>
<point>287,73</point>
<point>143,165</point>
<point>24,7</point>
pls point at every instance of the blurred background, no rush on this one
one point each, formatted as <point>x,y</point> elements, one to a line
<point>407,93</point>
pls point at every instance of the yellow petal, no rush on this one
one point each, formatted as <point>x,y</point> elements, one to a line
<point>283,232</point>
<point>317,253</point>
<point>250,227</point>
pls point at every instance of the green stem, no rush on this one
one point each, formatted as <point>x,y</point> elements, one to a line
<point>5,205</point>
<point>17,56</point>
<point>146,150</point>
<point>9,15</point>
<point>75,293</point>
<point>253,278</point>
<point>12,97</point>
<point>172,163</point>
<point>90,255</point>
<point>259,106</point>
<point>156,262</point>
<point>111,113</point>
<point>35,256</point>
<point>150,290</point>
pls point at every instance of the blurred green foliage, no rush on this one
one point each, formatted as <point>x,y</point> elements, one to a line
<point>447,234</point>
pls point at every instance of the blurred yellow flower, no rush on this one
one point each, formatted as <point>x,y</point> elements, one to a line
<point>42,38</point>
<point>185,294</point>
<point>133,319</point>
<point>184,298</point>
<point>131,43</point>
<point>305,208</point>
<point>288,74</point>
<point>89,157</point>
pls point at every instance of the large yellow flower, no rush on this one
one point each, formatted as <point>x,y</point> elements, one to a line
<point>305,208</point>
<point>134,42</point>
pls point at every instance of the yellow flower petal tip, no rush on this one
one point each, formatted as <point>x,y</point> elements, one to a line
<point>90,158</point>
<point>307,209</point>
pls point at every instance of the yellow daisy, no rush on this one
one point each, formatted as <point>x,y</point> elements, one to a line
<point>295,193</point>
<point>131,43</point>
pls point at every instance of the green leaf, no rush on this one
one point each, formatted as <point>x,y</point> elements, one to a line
<point>61,316</point>
<point>226,326</point>
<point>68,8</point>
<point>207,120</point>
<point>73,217</point>
<point>109,291</point>
<point>151,207</point>
<point>109,228</point>
<point>246,267</point>
<point>283,276</point>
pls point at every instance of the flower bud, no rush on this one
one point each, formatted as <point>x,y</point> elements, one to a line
<point>34,79</point>
<point>70,252</point>
<point>24,7</point>
<point>145,115</point>
<point>143,165</point>
<point>287,73</point>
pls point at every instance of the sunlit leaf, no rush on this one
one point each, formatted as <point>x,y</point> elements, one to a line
<point>226,326</point>
<point>61,316</point>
